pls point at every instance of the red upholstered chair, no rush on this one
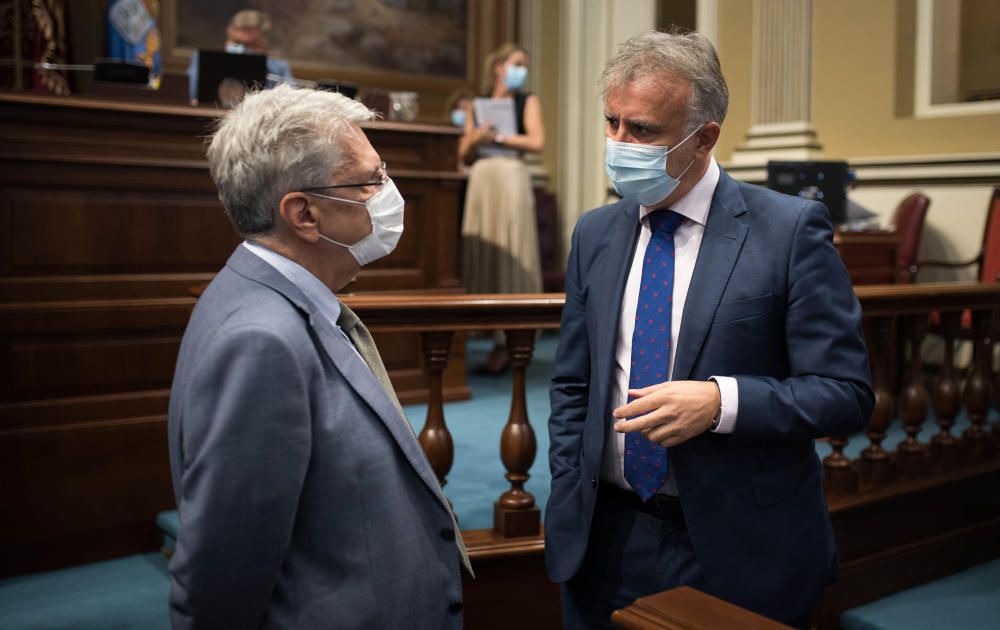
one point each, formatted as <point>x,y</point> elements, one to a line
<point>988,258</point>
<point>908,222</point>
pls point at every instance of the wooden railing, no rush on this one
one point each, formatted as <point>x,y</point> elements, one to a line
<point>897,320</point>
<point>437,318</point>
<point>901,517</point>
<point>913,309</point>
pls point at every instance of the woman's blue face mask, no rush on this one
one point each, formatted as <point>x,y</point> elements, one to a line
<point>639,171</point>
<point>515,76</point>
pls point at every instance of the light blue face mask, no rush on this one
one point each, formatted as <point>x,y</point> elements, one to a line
<point>236,49</point>
<point>639,171</point>
<point>458,117</point>
<point>515,76</point>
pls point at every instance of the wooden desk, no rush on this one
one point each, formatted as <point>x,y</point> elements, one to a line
<point>109,217</point>
<point>685,608</point>
<point>870,257</point>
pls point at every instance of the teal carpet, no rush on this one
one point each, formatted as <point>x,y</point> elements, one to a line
<point>969,600</point>
<point>132,592</point>
<point>128,592</point>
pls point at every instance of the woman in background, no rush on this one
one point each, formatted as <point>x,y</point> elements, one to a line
<point>499,231</point>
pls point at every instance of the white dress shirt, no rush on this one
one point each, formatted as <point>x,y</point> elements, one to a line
<point>311,286</point>
<point>694,207</point>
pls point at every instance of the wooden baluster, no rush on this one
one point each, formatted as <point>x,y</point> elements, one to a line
<point>435,437</point>
<point>839,477</point>
<point>876,466</point>
<point>976,440</point>
<point>516,514</point>
<point>911,455</point>
<point>947,397</point>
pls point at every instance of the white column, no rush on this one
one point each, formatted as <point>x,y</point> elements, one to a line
<point>590,34</point>
<point>781,127</point>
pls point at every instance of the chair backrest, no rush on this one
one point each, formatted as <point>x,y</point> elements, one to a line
<point>908,221</point>
<point>990,265</point>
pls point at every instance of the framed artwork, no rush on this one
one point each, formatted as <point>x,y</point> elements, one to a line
<point>378,43</point>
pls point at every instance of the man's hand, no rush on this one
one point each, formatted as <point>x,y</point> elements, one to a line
<point>670,413</point>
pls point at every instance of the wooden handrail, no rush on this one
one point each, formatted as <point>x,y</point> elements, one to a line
<point>461,312</point>
<point>685,608</point>
<point>421,312</point>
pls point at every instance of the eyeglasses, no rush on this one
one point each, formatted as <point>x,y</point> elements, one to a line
<point>384,178</point>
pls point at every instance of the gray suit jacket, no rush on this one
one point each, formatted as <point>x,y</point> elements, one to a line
<point>305,500</point>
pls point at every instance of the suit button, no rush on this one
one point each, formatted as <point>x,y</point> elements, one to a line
<point>448,534</point>
<point>593,481</point>
<point>455,608</point>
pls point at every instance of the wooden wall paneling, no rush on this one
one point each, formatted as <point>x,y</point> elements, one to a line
<point>81,493</point>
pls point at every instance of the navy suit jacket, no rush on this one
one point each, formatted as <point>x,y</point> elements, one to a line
<point>770,304</point>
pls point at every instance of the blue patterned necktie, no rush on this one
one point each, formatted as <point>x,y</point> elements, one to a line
<point>646,461</point>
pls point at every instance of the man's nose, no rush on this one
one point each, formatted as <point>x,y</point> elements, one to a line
<point>620,134</point>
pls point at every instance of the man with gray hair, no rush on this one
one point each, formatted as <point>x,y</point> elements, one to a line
<point>710,334</point>
<point>304,497</point>
<point>246,34</point>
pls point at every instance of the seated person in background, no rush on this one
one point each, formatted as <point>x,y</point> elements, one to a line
<point>459,102</point>
<point>304,497</point>
<point>500,251</point>
<point>246,33</point>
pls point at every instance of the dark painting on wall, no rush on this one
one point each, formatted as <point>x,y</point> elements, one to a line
<point>424,37</point>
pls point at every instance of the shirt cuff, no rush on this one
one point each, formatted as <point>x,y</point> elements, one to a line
<point>730,395</point>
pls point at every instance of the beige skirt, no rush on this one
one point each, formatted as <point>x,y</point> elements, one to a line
<point>499,229</point>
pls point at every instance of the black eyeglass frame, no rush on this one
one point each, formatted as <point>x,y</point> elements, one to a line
<point>385,179</point>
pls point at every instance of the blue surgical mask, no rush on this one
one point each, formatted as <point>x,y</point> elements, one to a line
<point>458,117</point>
<point>236,49</point>
<point>515,76</point>
<point>639,171</point>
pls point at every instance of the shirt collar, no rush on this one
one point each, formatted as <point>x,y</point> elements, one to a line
<point>696,204</point>
<point>311,286</point>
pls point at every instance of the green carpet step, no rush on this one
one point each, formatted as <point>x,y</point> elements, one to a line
<point>969,600</point>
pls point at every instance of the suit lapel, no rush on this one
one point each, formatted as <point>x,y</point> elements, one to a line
<point>720,247</point>
<point>354,370</point>
<point>611,289</point>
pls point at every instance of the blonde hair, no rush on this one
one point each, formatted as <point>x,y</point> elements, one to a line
<point>489,75</point>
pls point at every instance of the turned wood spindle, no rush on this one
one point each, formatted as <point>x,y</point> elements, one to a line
<point>911,454</point>
<point>947,397</point>
<point>876,467</point>
<point>515,513</point>
<point>977,388</point>
<point>838,478</point>
<point>435,437</point>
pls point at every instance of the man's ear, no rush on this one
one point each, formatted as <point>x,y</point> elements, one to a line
<point>299,216</point>
<point>707,138</point>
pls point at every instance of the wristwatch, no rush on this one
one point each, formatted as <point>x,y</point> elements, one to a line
<point>499,139</point>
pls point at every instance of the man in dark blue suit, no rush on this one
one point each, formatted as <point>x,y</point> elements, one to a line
<point>710,334</point>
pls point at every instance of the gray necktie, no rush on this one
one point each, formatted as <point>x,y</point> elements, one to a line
<point>362,340</point>
<point>365,345</point>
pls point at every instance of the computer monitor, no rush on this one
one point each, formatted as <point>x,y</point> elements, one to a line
<point>825,182</point>
<point>224,77</point>
<point>347,88</point>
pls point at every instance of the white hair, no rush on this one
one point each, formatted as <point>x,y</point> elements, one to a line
<point>275,142</point>
<point>689,54</point>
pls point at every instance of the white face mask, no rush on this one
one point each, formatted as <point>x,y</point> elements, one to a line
<point>235,48</point>
<point>385,209</point>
